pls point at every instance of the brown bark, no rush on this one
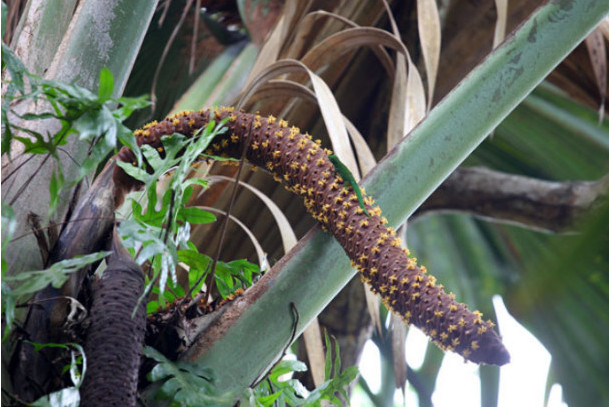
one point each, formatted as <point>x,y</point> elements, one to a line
<point>536,204</point>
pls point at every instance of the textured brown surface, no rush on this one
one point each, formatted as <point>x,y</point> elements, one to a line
<point>303,167</point>
<point>115,337</point>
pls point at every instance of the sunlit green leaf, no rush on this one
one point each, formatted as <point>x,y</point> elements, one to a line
<point>195,216</point>
<point>16,70</point>
<point>106,85</point>
<point>185,383</point>
<point>129,105</point>
<point>29,282</point>
<point>55,185</point>
<point>287,366</point>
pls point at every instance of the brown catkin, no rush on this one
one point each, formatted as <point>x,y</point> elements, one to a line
<point>302,165</point>
<point>115,337</point>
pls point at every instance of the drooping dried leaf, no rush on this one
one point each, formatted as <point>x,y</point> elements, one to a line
<point>315,352</point>
<point>372,304</point>
<point>269,52</point>
<point>502,9</point>
<point>262,262</point>
<point>336,45</point>
<point>398,108</point>
<point>288,237</point>
<point>308,23</point>
<point>430,35</point>
<point>398,342</point>
<point>364,155</point>
<point>604,27</point>
<point>415,98</point>
<point>595,44</point>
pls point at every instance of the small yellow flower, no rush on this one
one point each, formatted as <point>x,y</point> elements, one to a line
<point>151,124</point>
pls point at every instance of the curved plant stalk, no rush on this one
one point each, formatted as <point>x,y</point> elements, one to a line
<point>308,170</point>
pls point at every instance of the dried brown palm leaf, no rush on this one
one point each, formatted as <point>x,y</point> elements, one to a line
<point>597,52</point>
<point>314,17</point>
<point>335,46</point>
<point>428,22</point>
<point>288,237</point>
<point>502,12</point>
